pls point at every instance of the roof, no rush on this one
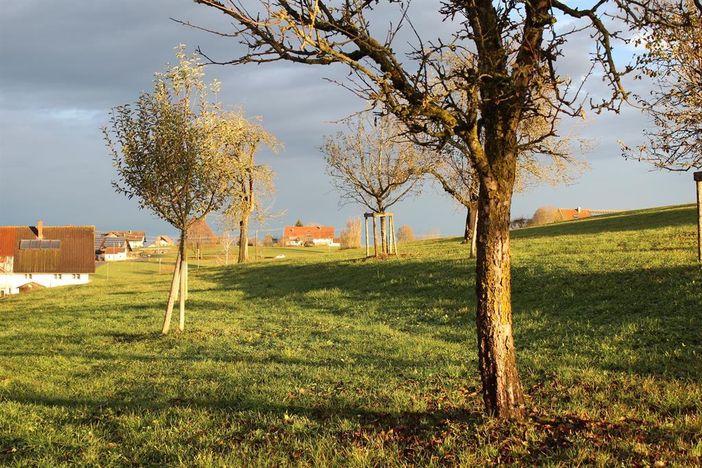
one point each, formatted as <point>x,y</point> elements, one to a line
<point>309,232</point>
<point>73,254</point>
<point>129,235</point>
<point>7,241</point>
<point>114,250</point>
<point>567,214</point>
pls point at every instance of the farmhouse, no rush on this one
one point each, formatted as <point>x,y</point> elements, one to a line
<point>136,239</point>
<point>317,235</point>
<point>110,249</point>
<point>45,256</point>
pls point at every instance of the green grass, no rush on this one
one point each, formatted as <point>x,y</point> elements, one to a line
<point>326,359</point>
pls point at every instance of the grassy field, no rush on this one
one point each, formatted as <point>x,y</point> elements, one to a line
<point>326,359</point>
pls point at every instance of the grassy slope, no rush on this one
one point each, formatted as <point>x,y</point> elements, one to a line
<point>322,358</point>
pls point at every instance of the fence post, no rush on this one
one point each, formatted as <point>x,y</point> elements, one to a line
<point>698,180</point>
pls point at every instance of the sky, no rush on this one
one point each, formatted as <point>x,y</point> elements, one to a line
<point>66,63</point>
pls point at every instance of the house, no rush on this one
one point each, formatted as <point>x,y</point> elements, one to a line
<point>317,235</point>
<point>47,256</point>
<point>569,214</point>
<point>109,249</point>
<point>162,241</point>
<point>136,239</point>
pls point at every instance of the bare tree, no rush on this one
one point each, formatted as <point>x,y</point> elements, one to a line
<point>511,49</point>
<point>673,61</point>
<point>373,165</point>
<point>165,149</point>
<point>252,183</point>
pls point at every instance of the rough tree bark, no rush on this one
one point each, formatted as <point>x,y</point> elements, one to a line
<point>243,239</point>
<point>502,389</point>
<point>383,236</point>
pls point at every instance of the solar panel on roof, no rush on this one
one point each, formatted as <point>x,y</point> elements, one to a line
<point>26,244</point>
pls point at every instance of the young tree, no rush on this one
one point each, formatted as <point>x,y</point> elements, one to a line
<point>164,148</point>
<point>673,61</point>
<point>373,165</point>
<point>511,50</point>
<point>251,183</point>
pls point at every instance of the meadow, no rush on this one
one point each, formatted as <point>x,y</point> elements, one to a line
<point>326,358</point>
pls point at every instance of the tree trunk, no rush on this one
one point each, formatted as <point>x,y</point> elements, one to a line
<point>502,389</point>
<point>244,239</point>
<point>467,231</point>
<point>175,283</point>
<point>474,233</point>
<point>470,234</point>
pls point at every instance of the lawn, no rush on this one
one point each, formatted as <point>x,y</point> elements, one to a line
<point>323,358</point>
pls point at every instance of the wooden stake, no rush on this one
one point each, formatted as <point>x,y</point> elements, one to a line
<point>365,221</point>
<point>375,244</point>
<point>698,179</point>
<point>183,282</point>
<point>175,282</point>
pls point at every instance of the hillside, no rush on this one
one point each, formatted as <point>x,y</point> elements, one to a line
<point>323,358</point>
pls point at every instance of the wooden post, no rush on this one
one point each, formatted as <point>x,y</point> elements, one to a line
<point>365,222</point>
<point>394,234</point>
<point>698,180</point>
<point>375,244</point>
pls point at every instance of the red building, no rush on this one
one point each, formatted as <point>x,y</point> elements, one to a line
<point>317,235</point>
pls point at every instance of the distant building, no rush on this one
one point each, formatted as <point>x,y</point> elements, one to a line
<point>300,235</point>
<point>569,214</point>
<point>45,256</point>
<point>136,239</point>
<point>112,249</point>
<point>162,241</point>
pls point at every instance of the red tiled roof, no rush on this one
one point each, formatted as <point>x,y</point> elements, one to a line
<point>566,214</point>
<point>309,232</point>
<point>114,250</point>
<point>7,241</point>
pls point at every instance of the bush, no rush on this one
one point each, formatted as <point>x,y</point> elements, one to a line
<point>350,238</point>
<point>544,215</point>
<point>405,234</point>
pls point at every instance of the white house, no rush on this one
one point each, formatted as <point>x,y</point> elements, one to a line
<point>110,249</point>
<point>46,256</point>
<point>135,239</point>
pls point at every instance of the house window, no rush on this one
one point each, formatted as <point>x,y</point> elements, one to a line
<point>27,276</point>
<point>76,275</point>
<point>58,276</point>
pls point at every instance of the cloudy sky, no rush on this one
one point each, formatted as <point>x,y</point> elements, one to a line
<point>65,63</point>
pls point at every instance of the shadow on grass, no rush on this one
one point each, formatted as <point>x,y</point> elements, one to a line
<point>632,321</point>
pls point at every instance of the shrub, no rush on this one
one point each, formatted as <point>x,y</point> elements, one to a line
<point>405,234</point>
<point>350,238</point>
